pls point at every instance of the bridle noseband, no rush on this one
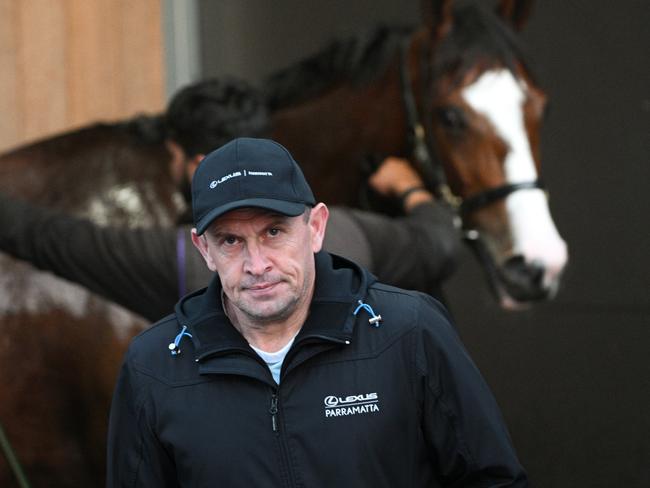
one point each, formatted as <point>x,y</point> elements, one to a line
<point>424,155</point>
<point>492,195</point>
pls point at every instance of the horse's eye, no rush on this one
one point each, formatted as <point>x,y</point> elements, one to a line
<point>452,118</point>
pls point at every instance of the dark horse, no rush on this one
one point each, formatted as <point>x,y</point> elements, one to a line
<point>60,346</point>
<point>454,95</point>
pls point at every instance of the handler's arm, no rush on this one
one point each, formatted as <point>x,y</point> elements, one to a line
<point>417,251</point>
<point>135,268</point>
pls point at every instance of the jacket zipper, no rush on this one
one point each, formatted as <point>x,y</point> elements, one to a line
<point>274,412</point>
<point>284,450</point>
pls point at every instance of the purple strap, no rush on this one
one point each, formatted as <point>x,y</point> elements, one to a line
<point>180,260</point>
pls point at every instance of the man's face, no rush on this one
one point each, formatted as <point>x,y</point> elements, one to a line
<point>177,162</point>
<point>181,168</point>
<point>265,260</point>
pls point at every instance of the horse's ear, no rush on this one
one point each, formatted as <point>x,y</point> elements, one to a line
<point>438,17</point>
<point>515,12</point>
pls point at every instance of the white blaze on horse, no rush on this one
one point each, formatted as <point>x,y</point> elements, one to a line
<point>533,247</point>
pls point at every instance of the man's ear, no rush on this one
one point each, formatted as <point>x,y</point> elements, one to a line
<point>201,243</point>
<point>192,164</point>
<point>318,223</point>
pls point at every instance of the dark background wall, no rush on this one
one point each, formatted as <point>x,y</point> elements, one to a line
<point>572,376</point>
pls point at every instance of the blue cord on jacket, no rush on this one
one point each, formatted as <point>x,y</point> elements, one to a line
<point>174,346</point>
<point>375,319</point>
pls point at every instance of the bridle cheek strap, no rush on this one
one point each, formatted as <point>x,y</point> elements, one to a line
<point>419,149</point>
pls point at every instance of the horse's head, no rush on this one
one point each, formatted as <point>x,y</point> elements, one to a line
<point>485,113</point>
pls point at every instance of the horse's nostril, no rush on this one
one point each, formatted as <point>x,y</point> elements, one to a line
<point>522,280</point>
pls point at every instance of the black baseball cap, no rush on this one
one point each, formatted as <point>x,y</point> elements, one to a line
<point>248,172</point>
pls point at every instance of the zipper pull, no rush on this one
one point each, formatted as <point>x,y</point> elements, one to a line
<point>274,412</point>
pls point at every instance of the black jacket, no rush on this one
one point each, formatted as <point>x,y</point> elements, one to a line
<point>399,405</point>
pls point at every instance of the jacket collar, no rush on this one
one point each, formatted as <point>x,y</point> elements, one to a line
<point>340,284</point>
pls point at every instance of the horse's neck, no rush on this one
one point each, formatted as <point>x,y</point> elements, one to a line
<point>331,136</point>
<point>348,112</point>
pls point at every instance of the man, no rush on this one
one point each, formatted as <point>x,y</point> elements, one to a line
<point>416,251</point>
<point>295,367</point>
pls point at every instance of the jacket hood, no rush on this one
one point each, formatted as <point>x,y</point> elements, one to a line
<point>340,286</point>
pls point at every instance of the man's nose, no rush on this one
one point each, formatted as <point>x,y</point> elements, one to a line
<point>257,261</point>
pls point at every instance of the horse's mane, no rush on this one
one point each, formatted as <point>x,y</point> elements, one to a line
<point>145,129</point>
<point>356,59</point>
<point>479,37</point>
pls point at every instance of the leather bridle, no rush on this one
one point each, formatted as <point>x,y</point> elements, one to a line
<point>421,147</point>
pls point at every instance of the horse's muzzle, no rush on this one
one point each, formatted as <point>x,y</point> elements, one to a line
<point>522,281</point>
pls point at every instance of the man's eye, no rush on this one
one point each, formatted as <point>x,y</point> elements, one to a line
<point>274,232</point>
<point>230,240</point>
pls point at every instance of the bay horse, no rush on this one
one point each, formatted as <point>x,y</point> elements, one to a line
<point>454,95</point>
<point>457,98</point>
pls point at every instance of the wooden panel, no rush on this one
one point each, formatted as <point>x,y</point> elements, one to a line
<point>41,66</point>
<point>67,63</point>
<point>11,119</point>
<point>92,90</point>
<point>139,63</point>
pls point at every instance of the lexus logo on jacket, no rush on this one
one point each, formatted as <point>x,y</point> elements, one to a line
<point>336,406</point>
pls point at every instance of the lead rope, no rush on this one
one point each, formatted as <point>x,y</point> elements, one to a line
<point>174,347</point>
<point>14,464</point>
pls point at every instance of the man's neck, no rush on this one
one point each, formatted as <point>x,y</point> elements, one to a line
<point>268,336</point>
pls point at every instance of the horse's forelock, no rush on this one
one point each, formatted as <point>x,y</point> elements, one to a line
<point>478,38</point>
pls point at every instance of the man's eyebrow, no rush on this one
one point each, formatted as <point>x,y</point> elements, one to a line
<point>277,218</point>
<point>274,219</point>
<point>216,232</point>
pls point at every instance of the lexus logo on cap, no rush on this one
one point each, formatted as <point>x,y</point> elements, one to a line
<point>223,179</point>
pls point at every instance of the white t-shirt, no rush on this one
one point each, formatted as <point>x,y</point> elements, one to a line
<point>274,359</point>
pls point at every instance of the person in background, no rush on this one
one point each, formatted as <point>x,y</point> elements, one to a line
<point>296,367</point>
<point>416,251</point>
